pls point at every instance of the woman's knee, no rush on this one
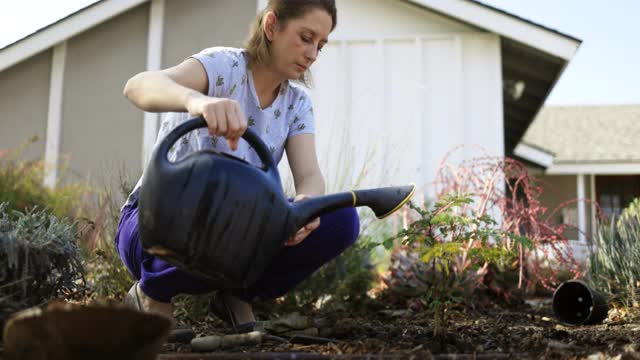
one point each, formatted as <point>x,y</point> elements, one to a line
<point>347,227</point>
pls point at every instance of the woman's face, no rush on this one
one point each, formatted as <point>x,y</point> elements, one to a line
<point>296,46</point>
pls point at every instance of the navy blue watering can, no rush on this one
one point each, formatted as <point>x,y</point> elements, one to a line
<point>224,219</point>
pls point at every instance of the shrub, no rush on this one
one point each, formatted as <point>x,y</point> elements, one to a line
<point>39,258</point>
<point>503,188</point>
<point>22,186</point>
<point>614,264</point>
<point>96,215</point>
<point>106,274</point>
<point>450,251</point>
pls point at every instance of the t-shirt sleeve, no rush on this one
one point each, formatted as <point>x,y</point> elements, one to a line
<point>303,122</point>
<point>217,63</point>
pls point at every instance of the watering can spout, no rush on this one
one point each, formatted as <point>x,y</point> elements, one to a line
<point>383,202</point>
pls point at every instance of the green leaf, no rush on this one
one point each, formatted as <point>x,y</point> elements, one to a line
<point>522,240</point>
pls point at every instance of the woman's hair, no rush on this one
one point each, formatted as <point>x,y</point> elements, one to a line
<point>257,44</point>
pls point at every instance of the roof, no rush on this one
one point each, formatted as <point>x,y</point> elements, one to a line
<point>469,11</point>
<point>505,24</point>
<point>558,32</point>
<point>588,134</point>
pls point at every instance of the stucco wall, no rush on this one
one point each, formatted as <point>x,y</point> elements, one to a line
<point>24,101</point>
<point>193,25</point>
<point>558,189</point>
<point>101,130</point>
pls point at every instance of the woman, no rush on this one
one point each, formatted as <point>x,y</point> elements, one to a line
<point>234,89</point>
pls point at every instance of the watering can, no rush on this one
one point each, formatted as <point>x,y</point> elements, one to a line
<point>224,219</point>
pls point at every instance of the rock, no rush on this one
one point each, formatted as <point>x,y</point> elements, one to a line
<point>181,335</point>
<point>557,345</point>
<point>215,342</point>
<point>395,313</point>
<point>631,348</point>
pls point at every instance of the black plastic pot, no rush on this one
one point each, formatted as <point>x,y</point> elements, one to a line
<point>575,303</point>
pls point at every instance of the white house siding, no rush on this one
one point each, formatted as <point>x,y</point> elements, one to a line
<point>24,97</point>
<point>385,18</point>
<point>405,86</point>
<point>101,131</point>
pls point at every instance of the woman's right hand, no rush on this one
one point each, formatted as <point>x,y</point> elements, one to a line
<point>224,116</point>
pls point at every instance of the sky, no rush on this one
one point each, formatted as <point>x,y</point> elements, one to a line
<point>603,71</point>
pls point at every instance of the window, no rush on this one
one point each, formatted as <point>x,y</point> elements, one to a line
<point>614,193</point>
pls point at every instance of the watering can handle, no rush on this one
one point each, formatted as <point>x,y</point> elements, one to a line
<point>198,122</point>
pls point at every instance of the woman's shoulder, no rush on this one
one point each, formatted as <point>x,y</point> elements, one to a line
<point>230,55</point>
<point>224,66</point>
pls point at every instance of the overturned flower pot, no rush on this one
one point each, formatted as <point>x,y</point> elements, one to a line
<point>68,331</point>
<point>575,303</point>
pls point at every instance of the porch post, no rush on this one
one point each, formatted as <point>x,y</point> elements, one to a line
<point>592,187</point>
<point>582,214</point>
<point>154,62</point>
<point>54,115</point>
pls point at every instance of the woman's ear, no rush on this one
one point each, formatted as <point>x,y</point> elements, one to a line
<point>270,24</point>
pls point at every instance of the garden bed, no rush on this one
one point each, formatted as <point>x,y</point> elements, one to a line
<point>520,332</point>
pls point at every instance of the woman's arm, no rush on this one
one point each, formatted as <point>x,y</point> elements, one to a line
<point>168,90</point>
<point>308,180</point>
<point>307,177</point>
<point>183,88</point>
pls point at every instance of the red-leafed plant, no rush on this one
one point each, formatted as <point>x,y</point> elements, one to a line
<point>504,189</point>
<point>488,227</point>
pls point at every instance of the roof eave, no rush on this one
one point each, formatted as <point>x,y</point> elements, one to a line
<point>599,168</point>
<point>64,29</point>
<point>507,25</point>
<point>534,154</point>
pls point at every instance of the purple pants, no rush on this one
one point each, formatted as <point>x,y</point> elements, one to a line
<point>161,281</point>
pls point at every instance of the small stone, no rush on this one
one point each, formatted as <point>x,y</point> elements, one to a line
<point>557,345</point>
<point>597,356</point>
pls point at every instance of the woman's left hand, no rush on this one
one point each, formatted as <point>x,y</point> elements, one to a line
<point>305,230</point>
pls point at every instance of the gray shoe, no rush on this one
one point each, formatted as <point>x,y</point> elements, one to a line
<point>132,299</point>
<point>177,334</point>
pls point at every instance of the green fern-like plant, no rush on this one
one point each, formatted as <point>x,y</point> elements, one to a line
<point>614,264</point>
<point>456,247</point>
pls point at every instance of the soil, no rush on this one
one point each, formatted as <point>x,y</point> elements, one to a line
<point>524,331</point>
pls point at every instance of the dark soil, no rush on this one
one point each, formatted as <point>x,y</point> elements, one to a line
<point>521,332</point>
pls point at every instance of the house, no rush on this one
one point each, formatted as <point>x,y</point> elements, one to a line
<point>585,152</point>
<point>399,85</point>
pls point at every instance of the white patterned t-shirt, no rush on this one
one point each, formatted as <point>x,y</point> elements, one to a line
<point>290,114</point>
